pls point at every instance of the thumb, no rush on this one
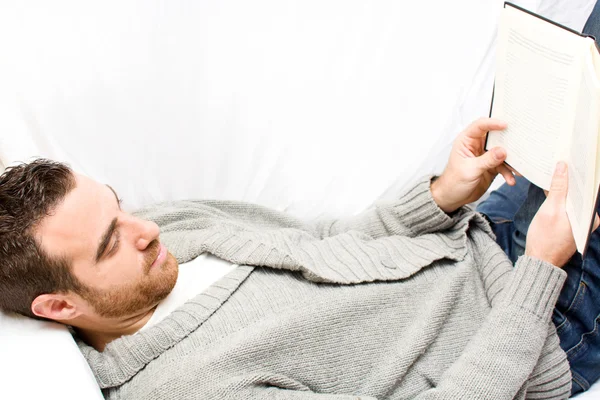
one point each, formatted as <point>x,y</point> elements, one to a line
<point>560,183</point>
<point>492,158</point>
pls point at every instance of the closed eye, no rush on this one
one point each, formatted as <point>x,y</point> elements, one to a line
<point>115,246</point>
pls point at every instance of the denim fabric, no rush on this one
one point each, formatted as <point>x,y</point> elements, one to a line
<point>577,312</point>
<point>592,25</point>
<point>500,208</point>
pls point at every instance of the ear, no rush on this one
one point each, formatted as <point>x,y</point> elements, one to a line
<point>58,307</point>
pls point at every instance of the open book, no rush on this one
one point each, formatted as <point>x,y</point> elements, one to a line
<point>547,89</point>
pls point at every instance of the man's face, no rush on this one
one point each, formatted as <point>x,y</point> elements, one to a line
<point>117,257</point>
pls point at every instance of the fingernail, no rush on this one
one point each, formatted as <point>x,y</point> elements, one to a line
<point>499,153</point>
<point>561,168</point>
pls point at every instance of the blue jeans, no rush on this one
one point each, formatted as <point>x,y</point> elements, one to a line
<point>592,25</point>
<point>577,312</point>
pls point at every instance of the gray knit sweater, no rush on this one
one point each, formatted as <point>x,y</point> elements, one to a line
<point>401,301</point>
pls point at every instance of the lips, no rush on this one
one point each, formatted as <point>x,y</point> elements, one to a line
<point>156,256</point>
<point>160,258</point>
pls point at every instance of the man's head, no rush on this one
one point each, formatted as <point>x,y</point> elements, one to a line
<point>70,254</point>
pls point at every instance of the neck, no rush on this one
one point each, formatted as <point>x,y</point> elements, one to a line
<point>114,329</point>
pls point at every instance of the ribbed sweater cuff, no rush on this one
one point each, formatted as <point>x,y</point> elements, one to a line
<point>420,213</point>
<point>535,286</point>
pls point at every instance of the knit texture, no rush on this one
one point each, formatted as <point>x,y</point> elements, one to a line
<point>400,301</point>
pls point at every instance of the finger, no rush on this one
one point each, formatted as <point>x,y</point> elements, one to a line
<point>596,222</point>
<point>559,185</point>
<point>514,171</point>
<point>507,174</point>
<point>480,127</point>
<point>491,159</point>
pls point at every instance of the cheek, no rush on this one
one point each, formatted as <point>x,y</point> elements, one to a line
<point>129,264</point>
<point>125,267</point>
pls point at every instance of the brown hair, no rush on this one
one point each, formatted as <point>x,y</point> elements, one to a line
<point>28,193</point>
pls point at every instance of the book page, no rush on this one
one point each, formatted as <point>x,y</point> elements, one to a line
<point>537,76</point>
<point>582,153</point>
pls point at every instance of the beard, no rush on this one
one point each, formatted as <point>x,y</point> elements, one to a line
<point>131,298</point>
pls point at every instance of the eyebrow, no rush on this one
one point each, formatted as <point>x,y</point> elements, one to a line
<point>105,240</point>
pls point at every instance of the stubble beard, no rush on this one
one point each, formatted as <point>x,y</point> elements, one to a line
<point>136,297</point>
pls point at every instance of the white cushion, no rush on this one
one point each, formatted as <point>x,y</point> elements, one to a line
<point>40,360</point>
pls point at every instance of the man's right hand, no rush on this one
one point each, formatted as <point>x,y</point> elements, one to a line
<point>550,237</point>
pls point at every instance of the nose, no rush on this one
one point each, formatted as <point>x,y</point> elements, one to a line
<point>147,231</point>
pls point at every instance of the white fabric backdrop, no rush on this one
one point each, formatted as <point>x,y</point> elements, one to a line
<point>313,106</point>
<point>292,104</point>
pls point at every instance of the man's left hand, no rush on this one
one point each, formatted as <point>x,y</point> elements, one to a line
<point>470,169</point>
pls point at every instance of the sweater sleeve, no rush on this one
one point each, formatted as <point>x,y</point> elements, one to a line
<point>499,360</point>
<point>512,356</point>
<point>414,213</point>
<point>275,393</point>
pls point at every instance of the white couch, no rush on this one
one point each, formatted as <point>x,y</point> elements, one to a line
<point>312,106</point>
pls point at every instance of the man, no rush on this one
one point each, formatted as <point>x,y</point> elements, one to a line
<point>410,299</point>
